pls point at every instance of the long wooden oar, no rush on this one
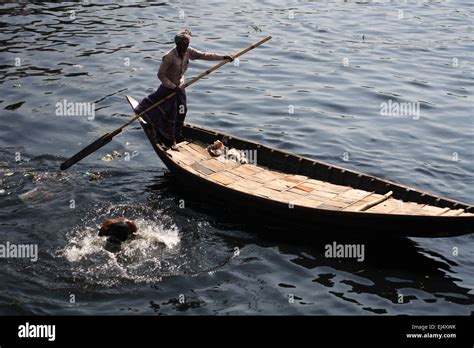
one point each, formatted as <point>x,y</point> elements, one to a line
<point>106,138</point>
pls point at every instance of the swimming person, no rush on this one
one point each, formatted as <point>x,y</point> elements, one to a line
<point>168,117</point>
<point>117,230</point>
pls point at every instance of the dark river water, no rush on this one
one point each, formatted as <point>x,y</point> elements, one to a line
<point>315,89</point>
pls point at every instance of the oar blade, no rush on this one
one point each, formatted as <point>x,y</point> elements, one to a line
<point>102,141</point>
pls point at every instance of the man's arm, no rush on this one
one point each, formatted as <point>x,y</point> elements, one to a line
<point>195,54</point>
<point>165,81</point>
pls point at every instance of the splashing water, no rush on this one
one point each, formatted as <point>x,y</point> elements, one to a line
<point>150,236</point>
<point>158,251</point>
<point>148,257</point>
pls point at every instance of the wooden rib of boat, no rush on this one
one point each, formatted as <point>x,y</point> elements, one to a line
<point>288,191</point>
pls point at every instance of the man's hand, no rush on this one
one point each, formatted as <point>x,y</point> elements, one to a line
<point>231,58</point>
<point>180,88</point>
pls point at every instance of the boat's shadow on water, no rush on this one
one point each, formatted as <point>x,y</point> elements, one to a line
<point>391,264</point>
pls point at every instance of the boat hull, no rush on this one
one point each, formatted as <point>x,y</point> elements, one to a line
<point>311,222</point>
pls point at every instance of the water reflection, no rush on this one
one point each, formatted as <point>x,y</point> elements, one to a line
<point>396,269</point>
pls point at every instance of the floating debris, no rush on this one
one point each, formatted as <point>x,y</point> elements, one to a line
<point>29,195</point>
<point>15,106</point>
<point>118,155</point>
<point>35,195</point>
<point>113,156</point>
<point>107,158</point>
<point>29,175</point>
<point>255,28</point>
<point>94,176</point>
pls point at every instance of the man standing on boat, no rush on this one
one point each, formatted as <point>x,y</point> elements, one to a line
<point>168,117</point>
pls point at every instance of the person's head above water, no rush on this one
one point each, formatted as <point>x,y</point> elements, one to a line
<point>119,229</point>
<point>182,40</point>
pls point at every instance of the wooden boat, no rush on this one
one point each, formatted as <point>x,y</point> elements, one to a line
<point>296,193</point>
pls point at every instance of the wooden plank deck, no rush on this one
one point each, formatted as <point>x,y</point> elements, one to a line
<point>294,189</point>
